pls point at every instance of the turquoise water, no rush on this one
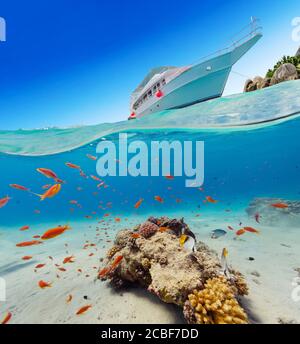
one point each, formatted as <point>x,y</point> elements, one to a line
<point>242,161</point>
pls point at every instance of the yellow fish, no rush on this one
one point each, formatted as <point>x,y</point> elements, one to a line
<point>182,239</point>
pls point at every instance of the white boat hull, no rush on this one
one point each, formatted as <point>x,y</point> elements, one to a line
<point>203,81</point>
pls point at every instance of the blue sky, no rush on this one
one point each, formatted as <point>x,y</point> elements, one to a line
<point>69,62</point>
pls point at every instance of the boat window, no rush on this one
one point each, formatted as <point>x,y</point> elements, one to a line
<point>158,85</point>
<point>163,82</point>
<point>150,93</point>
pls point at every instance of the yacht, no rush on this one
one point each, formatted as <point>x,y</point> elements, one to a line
<point>169,87</point>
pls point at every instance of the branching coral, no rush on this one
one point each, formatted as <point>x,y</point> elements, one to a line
<point>215,304</point>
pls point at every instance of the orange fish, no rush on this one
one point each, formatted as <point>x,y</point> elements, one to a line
<point>27,257</point>
<point>159,199</point>
<point>92,157</point>
<point>24,228</point>
<point>169,177</point>
<point>68,260</point>
<point>36,236</point>
<point>117,219</point>
<point>43,284</point>
<point>54,190</point>
<point>135,235</point>
<point>49,174</point>
<point>95,178</point>
<point>116,262</point>
<point>210,199</point>
<point>241,231</point>
<point>79,270</point>
<point>54,232</point>
<point>138,203</point>
<point>104,272</point>
<point>106,215</point>
<point>29,243</point>
<point>18,187</point>
<point>83,309</point>
<point>280,205</point>
<point>91,254</point>
<point>69,298</point>
<point>76,167</point>
<point>4,201</point>
<point>251,230</point>
<point>62,269</point>
<point>39,266</point>
<point>163,229</point>
<point>6,319</point>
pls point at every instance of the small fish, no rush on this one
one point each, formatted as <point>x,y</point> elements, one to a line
<point>92,157</point>
<point>18,187</point>
<point>135,235</point>
<point>73,202</point>
<point>68,260</point>
<point>159,199</point>
<point>138,203</point>
<point>69,298</point>
<point>163,229</point>
<point>116,262</point>
<point>169,177</point>
<point>54,190</point>
<point>62,269</point>
<point>43,284</point>
<point>230,228</point>
<point>4,201</point>
<point>26,257</point>
<point>6,319</point>
<point>100,184</point>
<point>83,309</point>
<point>104,272</point>
<point>211,200</point>
<point>280,205</point>
<point>217,233</point>
<point>49,174</point>
<point>36,237</point>
<point>257,217</point>
<point>95,178</point>
<point>24,228</point>
<point>182,239</point>
<point>39,266</point>
<point>240,232</point>
<point>54,232</point>
<point>251,230</point>
<point>224,263</point>
<point>29,243</point>
<point>76,167</point>
<point>117,219</point>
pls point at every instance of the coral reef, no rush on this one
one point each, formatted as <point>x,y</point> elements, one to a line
<point>147,229</point>
<point>153,258</point>
<point>215,304</point>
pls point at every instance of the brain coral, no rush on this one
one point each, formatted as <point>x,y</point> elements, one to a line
<point>147,229</point>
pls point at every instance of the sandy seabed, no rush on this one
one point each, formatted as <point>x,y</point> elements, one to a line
<point>271,276</point>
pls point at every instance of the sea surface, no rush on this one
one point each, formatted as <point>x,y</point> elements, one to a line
<point>251,150</point>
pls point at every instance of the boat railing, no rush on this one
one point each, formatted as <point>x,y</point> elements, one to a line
<point>237,40</point>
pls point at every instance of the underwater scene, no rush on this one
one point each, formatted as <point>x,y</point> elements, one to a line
<point>77,247</point>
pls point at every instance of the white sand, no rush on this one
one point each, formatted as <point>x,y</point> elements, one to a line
<point>270,275</point>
